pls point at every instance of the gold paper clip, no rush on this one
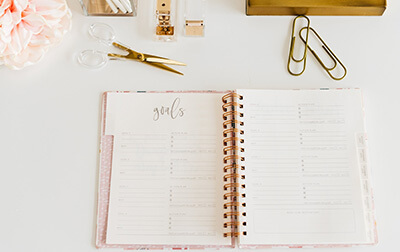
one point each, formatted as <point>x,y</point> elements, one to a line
<point>334,58</point>
<point>292,42</point>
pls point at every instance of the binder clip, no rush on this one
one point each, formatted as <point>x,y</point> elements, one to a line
<point>303,60</point>
<point>194,18</point>
<point>165,20</point>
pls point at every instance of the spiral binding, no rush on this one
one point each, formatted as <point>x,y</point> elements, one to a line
<point>233,160</point>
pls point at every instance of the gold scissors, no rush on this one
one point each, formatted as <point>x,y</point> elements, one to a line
<point>105,34</point>
<point>151,60</point>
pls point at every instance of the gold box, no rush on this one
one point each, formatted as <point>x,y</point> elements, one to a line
<point>316,7</point>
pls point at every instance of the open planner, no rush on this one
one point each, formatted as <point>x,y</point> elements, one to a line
<point>243,168</point>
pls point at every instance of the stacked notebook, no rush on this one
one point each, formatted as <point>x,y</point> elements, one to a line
<point>244,168</point>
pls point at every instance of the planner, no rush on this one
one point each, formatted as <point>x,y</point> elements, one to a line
<point>241,168</point>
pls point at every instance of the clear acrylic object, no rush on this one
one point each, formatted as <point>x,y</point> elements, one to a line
<point>194,18</point>
<point>104,34</point>
<point>165,19</point>
<point>109,7</point>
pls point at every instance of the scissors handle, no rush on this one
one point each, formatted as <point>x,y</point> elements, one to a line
<point>92,58</point>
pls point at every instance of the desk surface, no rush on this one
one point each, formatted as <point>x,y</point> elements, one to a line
<point>50,112</point>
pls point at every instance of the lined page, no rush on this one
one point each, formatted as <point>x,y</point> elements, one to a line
<point>302,173</point>
<point>166,181</point>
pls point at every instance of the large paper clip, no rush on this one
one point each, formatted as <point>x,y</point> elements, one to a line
<point>292,43</point>
<point>334,58</point>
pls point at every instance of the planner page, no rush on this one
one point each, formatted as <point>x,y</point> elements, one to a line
<point>303,182</point>
<point>166,178</point>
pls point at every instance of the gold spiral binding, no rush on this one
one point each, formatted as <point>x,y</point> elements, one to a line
<point>232,122</point>
<point>232,166</point>
<point>230,204</point>
<point>231,157</point>
<point>233,179</point>
<point>234,234</point>
<point>231,175</point>
<point>233,132</point>
<point>227,186</point>
<point>232,139</point>
<point>226,215</point>
<point>230,148</point>
<point>231,113</point>
<point>232,224</point>
<point>231,104</point>
<point>232,194</point>
<point>226,98</point>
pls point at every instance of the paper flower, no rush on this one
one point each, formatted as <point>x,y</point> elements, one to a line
<point>29,27</point>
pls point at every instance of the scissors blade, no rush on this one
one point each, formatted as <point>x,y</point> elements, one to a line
<point>165,61</point>
<point>161,66</point>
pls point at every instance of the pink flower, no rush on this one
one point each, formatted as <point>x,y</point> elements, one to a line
<point>29,27</point>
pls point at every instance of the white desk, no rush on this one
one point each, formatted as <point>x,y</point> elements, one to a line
<point>50,112</point>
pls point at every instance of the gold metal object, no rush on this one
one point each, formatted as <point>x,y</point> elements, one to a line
<point>292,43</point>
<point>316,7</point>
<point>233,179</point>
<point>164,6</point>
<point>194,28</point>
<point>334,58</point>
<point>151,60</point>
<point>163,12</point>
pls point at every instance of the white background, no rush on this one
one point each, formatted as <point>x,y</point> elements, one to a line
<point>50,112</point>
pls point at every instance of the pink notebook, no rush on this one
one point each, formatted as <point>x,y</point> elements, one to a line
<point>243,168</point>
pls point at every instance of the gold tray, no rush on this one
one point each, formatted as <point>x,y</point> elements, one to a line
<point>316,7</point>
